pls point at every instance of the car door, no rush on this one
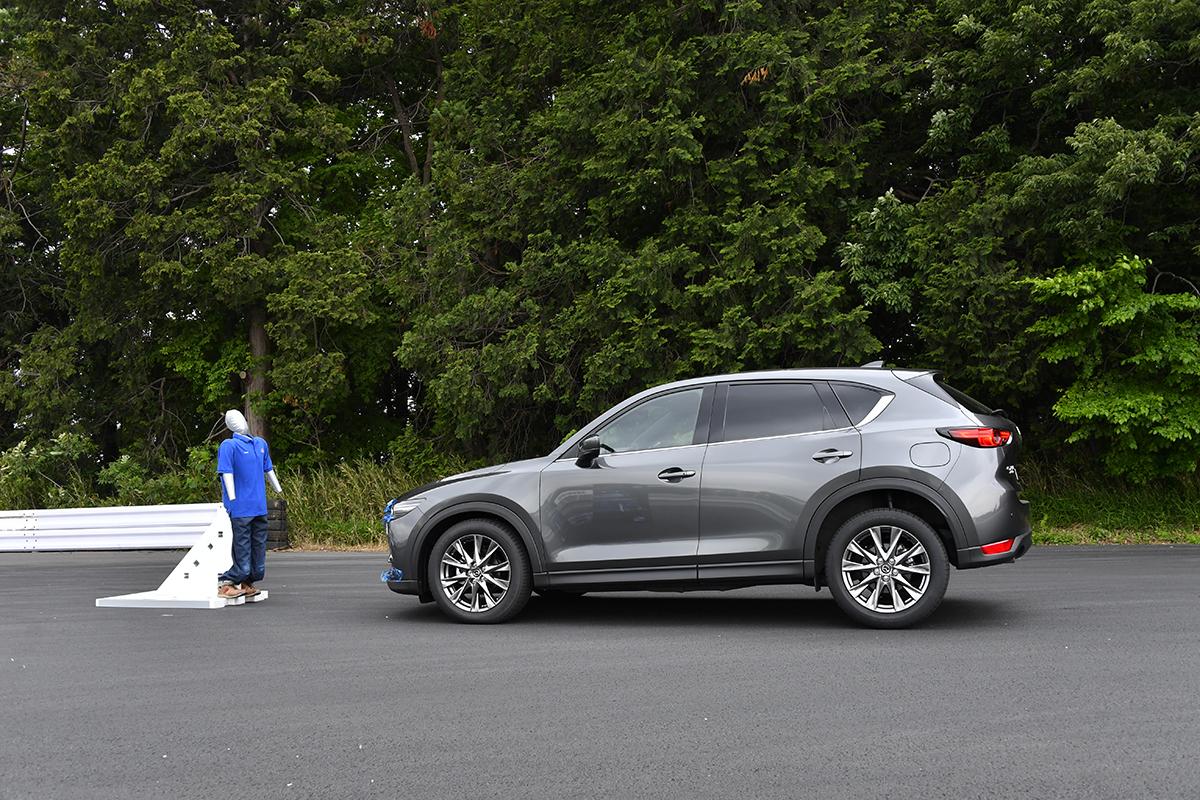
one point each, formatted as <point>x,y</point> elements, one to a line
<point>774,445</point>
<point>632,515</point>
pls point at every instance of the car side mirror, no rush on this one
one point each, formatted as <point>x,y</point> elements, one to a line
<point>589,450</point>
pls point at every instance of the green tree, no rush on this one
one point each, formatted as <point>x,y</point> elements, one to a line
<point>1053,135</point>
<point>483,222</point>
<point>627,193</point>
<point>30,289</point>
<point>213,178</point>
<point>1135,353</point>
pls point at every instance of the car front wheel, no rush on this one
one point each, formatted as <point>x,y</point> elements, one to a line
<point>887,568</point>
<point>479,572</point>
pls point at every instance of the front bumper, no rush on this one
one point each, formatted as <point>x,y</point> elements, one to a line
<point>401,556</point>
<point>974,557</point>
<point>404,587</point>
<point>395,581</point>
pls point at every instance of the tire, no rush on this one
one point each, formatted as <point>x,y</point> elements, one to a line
<point>468,589</point>
<point>891,592</point>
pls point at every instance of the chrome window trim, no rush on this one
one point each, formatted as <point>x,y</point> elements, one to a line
<point>780,436</point>
<point>880,407</point>
<point>651,450</point>
<point>631,452</point>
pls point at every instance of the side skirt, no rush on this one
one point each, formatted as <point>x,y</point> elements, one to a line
<point>686,579</point>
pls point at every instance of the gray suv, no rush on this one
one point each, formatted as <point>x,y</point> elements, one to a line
<point>870,481</point>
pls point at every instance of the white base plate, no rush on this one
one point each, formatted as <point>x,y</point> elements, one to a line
<point>158,599</point>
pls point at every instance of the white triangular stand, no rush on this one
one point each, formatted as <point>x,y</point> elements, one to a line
<point>193,582</point>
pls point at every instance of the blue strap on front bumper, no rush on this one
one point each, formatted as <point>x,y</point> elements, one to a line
<point>387,510</point>
<point>391,574</point>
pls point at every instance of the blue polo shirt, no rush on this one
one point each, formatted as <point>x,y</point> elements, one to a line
<point>248,459</point>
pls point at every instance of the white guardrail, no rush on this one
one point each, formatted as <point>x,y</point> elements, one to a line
<point>110,528</point>
<point>204,528</point>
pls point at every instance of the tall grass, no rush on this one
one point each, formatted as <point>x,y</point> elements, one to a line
<point>1071,508</point>
<point>341,506</point>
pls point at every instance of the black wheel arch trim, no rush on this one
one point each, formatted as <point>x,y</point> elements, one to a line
<point>914,481</point>
<point>481,504</point>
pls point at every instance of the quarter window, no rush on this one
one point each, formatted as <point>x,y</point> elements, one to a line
<point>668,420</point>
<point>755,410</point>
<point>857,400</point>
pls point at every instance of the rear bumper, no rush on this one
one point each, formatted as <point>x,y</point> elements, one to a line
<point>974,557</point>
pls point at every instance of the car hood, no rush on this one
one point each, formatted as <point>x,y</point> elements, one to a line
<point>529,464</point>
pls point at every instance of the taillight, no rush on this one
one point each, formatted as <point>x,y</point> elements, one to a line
<point>978,437</point>
<point>995,548</point>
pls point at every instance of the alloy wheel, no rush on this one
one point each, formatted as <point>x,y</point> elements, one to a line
<point>475,572</point>
<point>885,569</point>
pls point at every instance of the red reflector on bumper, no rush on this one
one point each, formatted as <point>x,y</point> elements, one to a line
<point>995,548</point>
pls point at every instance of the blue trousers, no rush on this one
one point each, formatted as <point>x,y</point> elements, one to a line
<point>249,550</point>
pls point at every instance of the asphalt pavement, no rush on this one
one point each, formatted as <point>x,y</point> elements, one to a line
<point>1073,673</point>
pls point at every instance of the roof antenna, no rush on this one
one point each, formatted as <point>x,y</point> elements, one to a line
<point>873,365</point>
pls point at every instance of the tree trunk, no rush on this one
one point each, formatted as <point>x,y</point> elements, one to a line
<point>256,378</point>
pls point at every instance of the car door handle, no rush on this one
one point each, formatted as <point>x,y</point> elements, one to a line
<point>831,455</point>
<point>676,474</point>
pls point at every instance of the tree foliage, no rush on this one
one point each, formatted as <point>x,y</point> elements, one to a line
<point>197,173</point>
<point>483,222</point>
<point>648,193</point>
<point>1136,362</point>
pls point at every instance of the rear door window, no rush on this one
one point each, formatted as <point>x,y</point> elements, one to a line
<point>757,410</point>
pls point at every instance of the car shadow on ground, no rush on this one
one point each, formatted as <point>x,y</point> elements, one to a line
<point>670,610</point>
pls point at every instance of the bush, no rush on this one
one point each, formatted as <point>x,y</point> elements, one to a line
<point>421,459</point>
<point>1071,508</point>
<point>56,474</point>
<point>134,484</point>
<point>342,505</point>
<point>1136,357</point>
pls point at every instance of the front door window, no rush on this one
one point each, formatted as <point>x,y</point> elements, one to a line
<point>668,420</point>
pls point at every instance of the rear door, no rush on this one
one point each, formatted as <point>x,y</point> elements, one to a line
<point>773,445</point>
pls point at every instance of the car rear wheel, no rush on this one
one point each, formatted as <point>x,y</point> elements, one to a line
<point>887,568</point>
<point>479,572</point>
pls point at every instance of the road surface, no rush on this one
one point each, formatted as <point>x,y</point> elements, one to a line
<point>1073,673</point>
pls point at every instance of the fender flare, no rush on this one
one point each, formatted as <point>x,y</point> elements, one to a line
<point>489,505</point>
<point>917,483</point>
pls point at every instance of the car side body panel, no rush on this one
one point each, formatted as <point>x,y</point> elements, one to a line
<point>753,511</point>
<point>509,494</point>
<point>880,479</point>
<point>618,514</point>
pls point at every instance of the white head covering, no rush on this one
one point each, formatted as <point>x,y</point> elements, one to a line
<point>236,422</point>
